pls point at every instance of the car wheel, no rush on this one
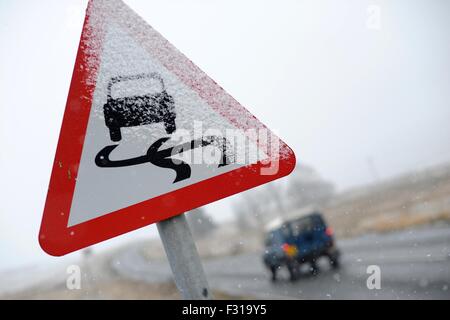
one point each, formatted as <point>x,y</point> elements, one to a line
<point>170,126</point>
<point>115,134</point>
<point>273,270</point>
<point>293,271</point>
<point>334,259</point>
<point>313,269</point>
<point>334,262</point>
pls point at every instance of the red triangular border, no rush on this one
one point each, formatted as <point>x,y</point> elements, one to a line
<point>55,237</point>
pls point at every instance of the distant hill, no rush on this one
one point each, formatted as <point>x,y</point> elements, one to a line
<point>410,199</point>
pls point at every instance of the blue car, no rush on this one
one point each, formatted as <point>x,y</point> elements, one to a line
<point>297,242</point>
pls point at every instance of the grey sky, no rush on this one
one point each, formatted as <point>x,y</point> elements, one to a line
<point>335,90</point>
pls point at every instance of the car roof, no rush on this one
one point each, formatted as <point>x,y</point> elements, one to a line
<point>278,223</point>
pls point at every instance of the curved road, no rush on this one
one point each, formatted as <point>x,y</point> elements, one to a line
<point>415,264</point>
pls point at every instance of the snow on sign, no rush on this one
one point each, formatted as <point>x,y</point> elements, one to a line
<point>146,135</point>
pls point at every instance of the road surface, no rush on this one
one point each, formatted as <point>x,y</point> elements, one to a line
<point>414,264</point>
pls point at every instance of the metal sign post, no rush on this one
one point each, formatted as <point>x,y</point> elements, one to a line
<point>183,258</point>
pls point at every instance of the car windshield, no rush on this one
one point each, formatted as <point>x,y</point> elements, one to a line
<point>136,87</point>
<point>307,224</point>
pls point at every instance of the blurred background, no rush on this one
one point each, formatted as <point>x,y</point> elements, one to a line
<point>360,89</point>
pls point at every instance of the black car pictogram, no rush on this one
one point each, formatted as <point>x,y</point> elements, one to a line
<point>138,110</point>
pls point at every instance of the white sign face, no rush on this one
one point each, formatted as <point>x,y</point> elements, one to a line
<point>102,190</point>
<point>146,135</point>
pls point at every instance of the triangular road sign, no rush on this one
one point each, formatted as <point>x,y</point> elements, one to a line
<point>146,135</point>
